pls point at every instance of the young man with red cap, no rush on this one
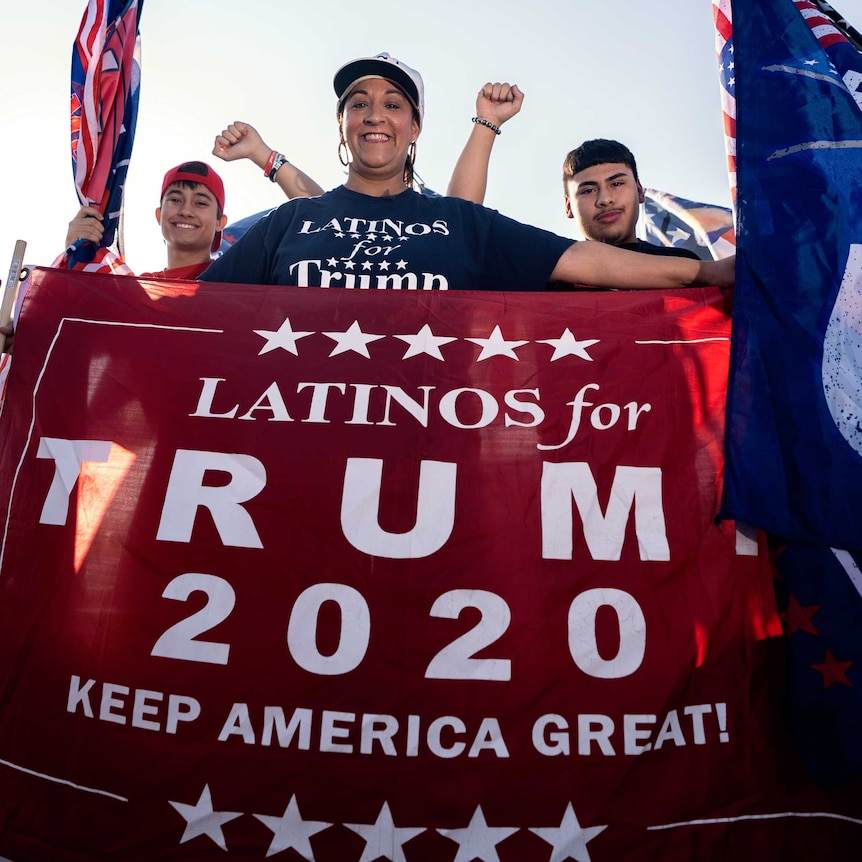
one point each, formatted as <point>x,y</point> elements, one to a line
<point>191,216</point>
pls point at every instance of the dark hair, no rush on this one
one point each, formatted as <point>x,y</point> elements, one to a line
<point>597,152</point>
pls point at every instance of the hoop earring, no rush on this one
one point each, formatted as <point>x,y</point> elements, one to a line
<point>344,159</point>
<point>408,165</point>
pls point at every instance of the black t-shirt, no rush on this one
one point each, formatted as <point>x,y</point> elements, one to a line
<point>645,247</point>
<point>407,241</point>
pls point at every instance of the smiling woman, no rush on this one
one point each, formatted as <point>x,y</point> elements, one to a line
<point>380,119</point>
<point>375,231</point>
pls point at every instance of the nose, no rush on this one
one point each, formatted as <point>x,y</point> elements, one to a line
<point>605,197</point>
<point>372,115</point>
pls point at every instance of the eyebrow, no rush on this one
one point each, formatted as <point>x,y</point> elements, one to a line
<point>394,90</point>
<point>615,176</point>
<point>203,191</point>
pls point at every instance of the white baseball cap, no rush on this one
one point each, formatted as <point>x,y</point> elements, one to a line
<point>382,66</point>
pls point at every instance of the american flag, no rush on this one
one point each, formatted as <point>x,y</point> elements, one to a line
<point>724,50</point>
<point>104,107</point>
<point>704,229</point>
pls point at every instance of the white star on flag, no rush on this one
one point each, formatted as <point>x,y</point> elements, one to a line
<point>568,345</point>
<point>569,839</point>
<point>384,838</point>
<point>202,820</point>
<point>496,345</point>
<point>291,831</point>
<point>284,337</point>
<point>353,339</point>
<point>478,840</point>
<point>677,234</point>
<point>424,341</point>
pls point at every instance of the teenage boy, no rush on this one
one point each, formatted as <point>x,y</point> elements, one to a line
<point>190,214</point>
<point>191,206</point>
<point>603,194</point>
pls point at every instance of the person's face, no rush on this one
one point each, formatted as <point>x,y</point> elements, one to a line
<point>605,199</point>
<point>378,126</point>
<point>189,217</point>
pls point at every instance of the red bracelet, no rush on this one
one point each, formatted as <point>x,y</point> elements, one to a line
<point>269,163</point>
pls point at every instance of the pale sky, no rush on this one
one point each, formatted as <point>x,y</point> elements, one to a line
<point>642,72</point>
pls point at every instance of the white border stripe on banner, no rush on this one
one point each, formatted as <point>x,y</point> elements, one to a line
<point>775,816</point>
<point>43,370</point>
<point>63,781</point>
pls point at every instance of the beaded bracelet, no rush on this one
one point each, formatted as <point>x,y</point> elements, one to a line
<point>269,162</point>
<point>279,162</point>
<point>488,123</point>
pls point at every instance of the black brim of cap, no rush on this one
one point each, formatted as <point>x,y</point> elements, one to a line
<point>365,68</point>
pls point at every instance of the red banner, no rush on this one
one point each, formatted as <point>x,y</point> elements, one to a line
<point>356,575</point>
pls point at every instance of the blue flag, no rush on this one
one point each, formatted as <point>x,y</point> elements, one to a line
<point>820,597</point>
<point>794,433</point>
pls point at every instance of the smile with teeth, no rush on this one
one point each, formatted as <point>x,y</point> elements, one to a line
<point>376,137</point>
<point>185,226</point>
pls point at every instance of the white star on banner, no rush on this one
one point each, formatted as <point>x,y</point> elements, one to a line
<point>283,337</point>
<point>570,839</point>
<point>478,840</point>
<point>354,339</point>
<point>424,341</point>
<point>384,838</point>
<point>202,820</point>
<point>496,345</point>
<point>290,830</point>
<point>568,345</point>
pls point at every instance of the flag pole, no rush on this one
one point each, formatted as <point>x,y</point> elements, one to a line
<point>11,291</point>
